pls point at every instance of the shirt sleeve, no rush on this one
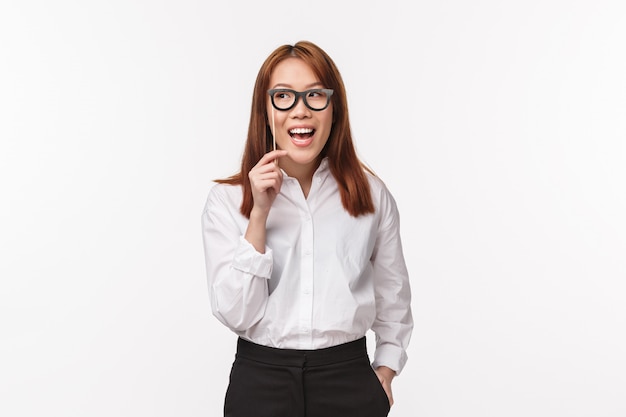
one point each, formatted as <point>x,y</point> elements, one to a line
<point>237,274</point>
<point>394,321</point>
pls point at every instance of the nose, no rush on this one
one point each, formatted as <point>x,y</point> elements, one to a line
<point>300,110</point>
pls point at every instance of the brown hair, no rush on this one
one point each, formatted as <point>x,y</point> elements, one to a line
<point>343,162</point>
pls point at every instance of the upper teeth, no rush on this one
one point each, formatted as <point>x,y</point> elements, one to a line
<point>300,131</point>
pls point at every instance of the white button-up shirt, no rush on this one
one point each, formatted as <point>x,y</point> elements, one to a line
<point>326,277</point>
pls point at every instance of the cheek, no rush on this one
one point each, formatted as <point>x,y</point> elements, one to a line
<point>328,123</point>
<point>274,118</point>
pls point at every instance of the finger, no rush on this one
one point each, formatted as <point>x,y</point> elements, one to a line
<point>272,156</point>
<point>265,185</point>
<point>262,174</point>
<point>265,163</point>
<point>262,182</point>
<point>279,183</point>
<point>262,171</point>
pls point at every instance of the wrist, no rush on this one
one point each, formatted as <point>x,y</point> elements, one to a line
<point>258,215</point>
<point>387,373</point>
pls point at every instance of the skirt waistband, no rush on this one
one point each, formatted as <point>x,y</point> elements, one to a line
<point>300,357</point>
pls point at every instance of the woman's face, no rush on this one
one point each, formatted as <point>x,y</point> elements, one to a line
<point>301,131</point>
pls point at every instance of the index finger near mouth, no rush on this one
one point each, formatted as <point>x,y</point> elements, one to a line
<point>272,155</point>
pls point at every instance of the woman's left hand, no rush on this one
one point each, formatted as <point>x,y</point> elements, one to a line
<point>385,376</point>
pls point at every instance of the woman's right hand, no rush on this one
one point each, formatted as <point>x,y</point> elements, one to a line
<point>266,180</point>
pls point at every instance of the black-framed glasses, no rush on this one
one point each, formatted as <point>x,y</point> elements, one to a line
<point>316,99</point>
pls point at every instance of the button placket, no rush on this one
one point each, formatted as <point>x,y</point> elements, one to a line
<point>306,276</point>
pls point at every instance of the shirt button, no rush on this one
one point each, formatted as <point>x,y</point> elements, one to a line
<point>307,291</point>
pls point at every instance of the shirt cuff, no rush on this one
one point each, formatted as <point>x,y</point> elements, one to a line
<point>248,260</point>
<point>390,356</point>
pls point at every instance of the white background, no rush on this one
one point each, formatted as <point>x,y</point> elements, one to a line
<point>500,127</point>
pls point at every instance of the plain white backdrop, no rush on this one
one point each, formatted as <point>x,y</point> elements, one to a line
<point>500,127</point>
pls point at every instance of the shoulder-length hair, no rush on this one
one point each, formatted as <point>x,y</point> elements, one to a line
<point>345,166</point>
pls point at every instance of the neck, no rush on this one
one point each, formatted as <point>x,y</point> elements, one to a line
<point>303,173</point>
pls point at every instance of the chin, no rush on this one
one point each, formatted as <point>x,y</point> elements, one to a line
<point>303,157</point>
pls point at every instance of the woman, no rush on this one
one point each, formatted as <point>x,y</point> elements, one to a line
<point>303,254</point>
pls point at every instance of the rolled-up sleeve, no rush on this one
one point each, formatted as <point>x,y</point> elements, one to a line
<point>237,274</point>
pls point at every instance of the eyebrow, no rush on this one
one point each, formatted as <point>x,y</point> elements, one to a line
<point>312,85</point>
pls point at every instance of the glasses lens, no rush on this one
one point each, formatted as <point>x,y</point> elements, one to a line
<point>283,99</point>
<point>317,99</point>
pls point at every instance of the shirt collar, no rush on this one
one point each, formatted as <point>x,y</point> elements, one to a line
<point>323,168</point>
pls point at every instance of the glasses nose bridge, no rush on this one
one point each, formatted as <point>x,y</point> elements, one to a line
<point>300,97</point>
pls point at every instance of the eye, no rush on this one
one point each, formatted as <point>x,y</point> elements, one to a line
<point>283,95</point>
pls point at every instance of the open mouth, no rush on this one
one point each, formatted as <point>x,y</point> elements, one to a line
<point>301,136</point>
<point>301,133</point>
